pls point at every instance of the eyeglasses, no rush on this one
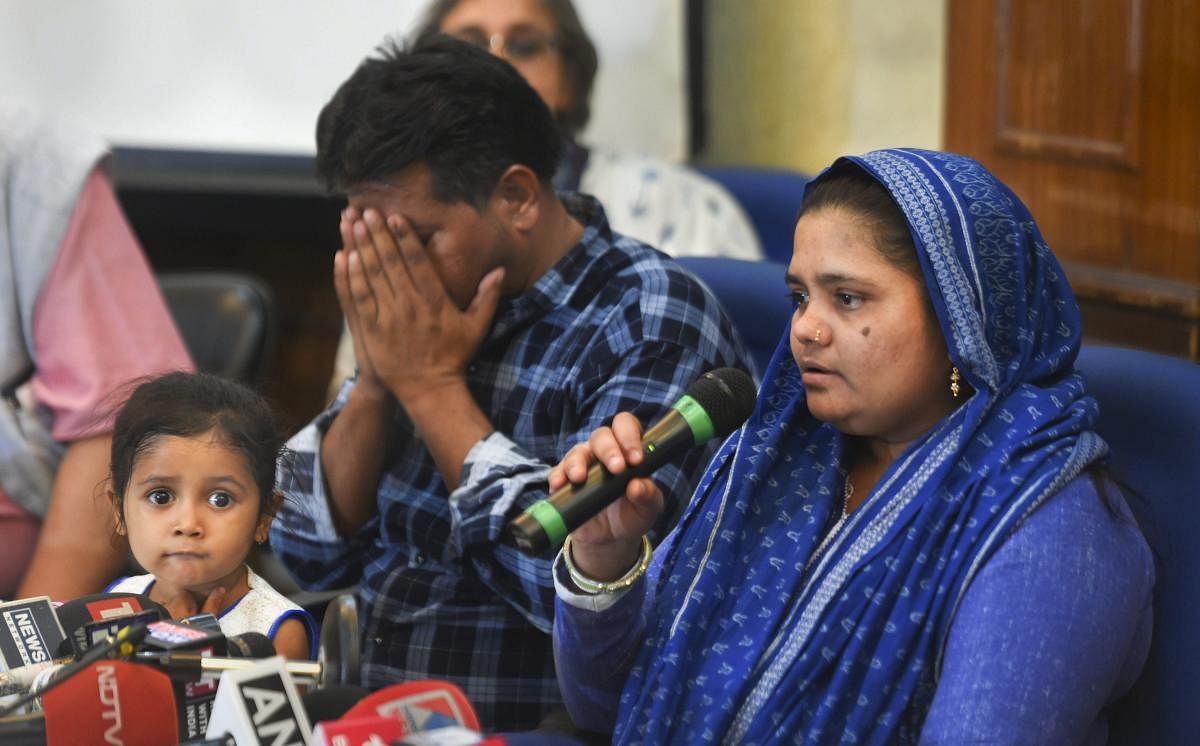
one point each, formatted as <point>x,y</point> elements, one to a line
<point>519,47</point>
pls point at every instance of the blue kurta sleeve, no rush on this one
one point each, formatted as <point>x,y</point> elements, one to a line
<point>596,640</point>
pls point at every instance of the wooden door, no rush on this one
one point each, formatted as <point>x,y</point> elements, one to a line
<point>1090,111</point>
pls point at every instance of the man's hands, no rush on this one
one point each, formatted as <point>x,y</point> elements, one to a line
<point>413,343</point>
<point>410,338</point>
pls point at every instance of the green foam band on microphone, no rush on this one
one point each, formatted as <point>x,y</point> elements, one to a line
<point>550,521</point>
<point>696,418</point>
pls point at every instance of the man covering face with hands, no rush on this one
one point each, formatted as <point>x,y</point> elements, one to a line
<point>496,324</point>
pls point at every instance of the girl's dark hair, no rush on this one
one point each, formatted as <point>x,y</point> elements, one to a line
<point>845,185</point>
<point>574,47</point>
<point>187,404</point>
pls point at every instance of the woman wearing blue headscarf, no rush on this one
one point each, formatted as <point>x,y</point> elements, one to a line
<point>912,539</point>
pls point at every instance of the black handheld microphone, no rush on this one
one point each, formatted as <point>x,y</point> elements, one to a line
<point>190,665</point>
<point>714,405</point>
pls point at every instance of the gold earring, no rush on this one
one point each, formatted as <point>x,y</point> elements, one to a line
<point>954,379</point>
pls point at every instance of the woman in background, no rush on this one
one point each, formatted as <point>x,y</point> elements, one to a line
<point>81,315</point>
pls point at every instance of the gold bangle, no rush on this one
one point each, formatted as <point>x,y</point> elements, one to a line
<point>587,585</point>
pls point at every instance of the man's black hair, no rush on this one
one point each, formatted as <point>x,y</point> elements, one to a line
<point>461,111</point>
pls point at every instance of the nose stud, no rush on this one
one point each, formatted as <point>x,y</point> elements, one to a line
<point>817,336</point>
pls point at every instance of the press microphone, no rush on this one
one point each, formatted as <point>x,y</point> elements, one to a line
<point>31,632</point>
<point>111,702</point>
<point>121,645</point>
<point>88,620</point>
<point>23,678</point>
<point>35,630</point>
<point>424,709</point>
<point>338,652</point>
<point>331,702</point>
<point>23,730</point>
<point>249,645</point>
<point>419,705</point>
<point>186,666</point>
<point>194,695</point>
<point>366,731</point>
<point>259,705</point>
<point>714,405</point>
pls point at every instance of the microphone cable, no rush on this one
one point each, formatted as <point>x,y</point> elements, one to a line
<point>121,645</point>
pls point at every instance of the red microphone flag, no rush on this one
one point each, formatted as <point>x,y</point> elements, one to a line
<point>420,705</point>
<point>112,702</point>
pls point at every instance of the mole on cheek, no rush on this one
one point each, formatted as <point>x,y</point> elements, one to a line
<point>866,331</point>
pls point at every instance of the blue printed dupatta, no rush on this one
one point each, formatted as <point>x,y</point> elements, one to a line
<point>754,636</point>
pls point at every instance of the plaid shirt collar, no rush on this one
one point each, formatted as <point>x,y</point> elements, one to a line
<point>558,283</point>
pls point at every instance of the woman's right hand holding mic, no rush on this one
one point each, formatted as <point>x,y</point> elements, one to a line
<point>608,545</point>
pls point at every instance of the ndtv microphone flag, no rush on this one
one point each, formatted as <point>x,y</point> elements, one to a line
<point>112,702</point>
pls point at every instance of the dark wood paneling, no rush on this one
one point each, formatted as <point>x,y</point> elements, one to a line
<point>1034,67</point>
<point>286,240</point>
<point>1090,110</point>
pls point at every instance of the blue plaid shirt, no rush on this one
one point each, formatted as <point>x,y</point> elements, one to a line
<point>613,326</point>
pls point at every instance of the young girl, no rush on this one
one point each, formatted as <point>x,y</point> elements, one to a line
<point>193,487</point>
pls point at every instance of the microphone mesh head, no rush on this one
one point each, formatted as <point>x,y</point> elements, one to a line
<point>333,702</point>
<point>250,645</point>
<point>727,395</point>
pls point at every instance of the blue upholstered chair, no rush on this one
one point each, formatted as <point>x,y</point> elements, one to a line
<point>771,198</point>
<point>755,296</point>
<point>1150,416</point>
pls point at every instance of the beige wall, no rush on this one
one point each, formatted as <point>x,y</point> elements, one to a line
<point>230,75</point>
<point>795,83</point>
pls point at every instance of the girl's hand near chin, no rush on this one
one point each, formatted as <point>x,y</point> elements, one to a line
<point>187,603</point>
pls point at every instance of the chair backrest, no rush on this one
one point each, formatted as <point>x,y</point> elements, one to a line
<point>226,319</point>
<point>754,295</point>
<point>770,197</point>
<point>1150,417</point>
